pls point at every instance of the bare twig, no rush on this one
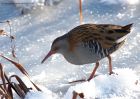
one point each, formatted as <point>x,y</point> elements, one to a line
<point>2,76</point>
<point>12,38</point>
<point>80,9</point>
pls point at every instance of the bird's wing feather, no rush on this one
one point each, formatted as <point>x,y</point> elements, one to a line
<point>105,34</point>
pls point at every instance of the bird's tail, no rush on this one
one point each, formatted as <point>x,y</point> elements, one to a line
<point>126,28</point>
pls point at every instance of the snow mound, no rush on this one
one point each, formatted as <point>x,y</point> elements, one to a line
<point>47,94</point>
<point>123,84</point>
<point>131,2</point>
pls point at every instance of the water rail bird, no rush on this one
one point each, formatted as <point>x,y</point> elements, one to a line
<point>89,43</point>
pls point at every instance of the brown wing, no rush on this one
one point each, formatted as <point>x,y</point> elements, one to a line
<point>105,34</point>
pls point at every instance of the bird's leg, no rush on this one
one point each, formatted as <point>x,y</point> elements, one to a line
<point>93,72</point>
<point>110,65</point>
<point>91,76</point>
<point>81,80</point>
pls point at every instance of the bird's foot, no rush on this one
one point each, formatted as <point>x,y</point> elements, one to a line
<point>110,73</point>
<point>82,80</point>
<point>91,77</point>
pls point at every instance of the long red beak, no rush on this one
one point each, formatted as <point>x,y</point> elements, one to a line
<point>47,56</point>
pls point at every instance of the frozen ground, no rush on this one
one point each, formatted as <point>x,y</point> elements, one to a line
<point>36,31</point>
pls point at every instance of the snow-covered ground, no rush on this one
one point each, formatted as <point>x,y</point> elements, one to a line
<point>36,30</point>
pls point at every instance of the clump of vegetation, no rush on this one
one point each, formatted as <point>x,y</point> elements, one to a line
<point>7,86</point>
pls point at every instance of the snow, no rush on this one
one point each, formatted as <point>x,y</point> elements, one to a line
<point>131,2</point>
<point>124,84</point>
<point>47,94</point>
<point>36,30</point>
<point>26,6</point>
<point>120,85</point>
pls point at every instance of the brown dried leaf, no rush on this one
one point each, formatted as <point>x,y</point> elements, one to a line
<point>2,32</point>
<point>10,86</point>
<point>2,76</point>
<point>75,94</point>
<point>3,86</point>
<point>35,86</point>
<point>19,90</point>
<point>9,90</point>
<point>21,83</point>
<point>81,95</point>
<point>19,66</point>
<point>6,77</point>
<point>1,91</point>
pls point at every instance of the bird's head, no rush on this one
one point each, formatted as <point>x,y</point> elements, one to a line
<point>59,45</point>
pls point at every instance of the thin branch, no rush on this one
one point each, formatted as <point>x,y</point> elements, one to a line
<point>80,9</point>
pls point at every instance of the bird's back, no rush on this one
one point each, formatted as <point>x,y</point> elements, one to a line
<point>92,42</point>
<point>105,34</point>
